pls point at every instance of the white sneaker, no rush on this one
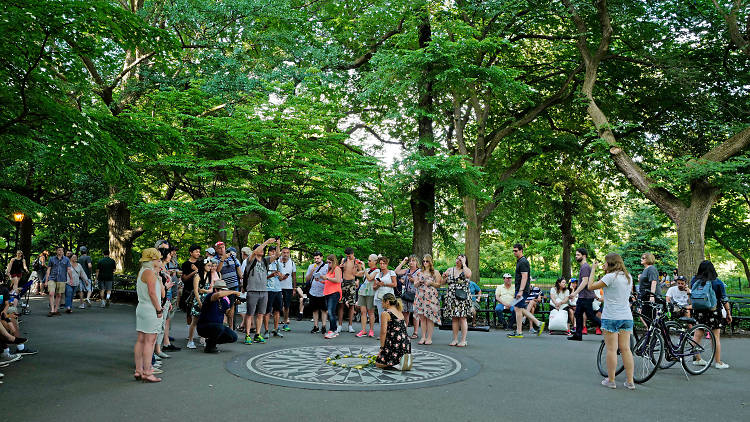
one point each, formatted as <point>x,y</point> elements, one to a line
<point>191,345</point>
<point>351,329</point>
<point>532,330</point>
<point>157,364</point>
<point>6,358</point>
<point>157,357</point>
<point>82,306</point>
<point>338,329</point>
<point>700,362</point>
<point>162,355</point>
<point>721,365</point>
<point>103,304</point>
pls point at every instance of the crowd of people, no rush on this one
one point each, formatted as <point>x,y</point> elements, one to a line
<point>222,295</point>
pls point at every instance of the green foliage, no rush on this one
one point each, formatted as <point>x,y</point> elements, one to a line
<point>647,232</point>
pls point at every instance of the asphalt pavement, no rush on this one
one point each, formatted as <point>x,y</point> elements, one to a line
<point>83,372</point>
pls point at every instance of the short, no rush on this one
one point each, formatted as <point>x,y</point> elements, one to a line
<point>366,301</point>
<point>16,275</point>
<point>274,302</point>
<point>286,297</point>
<point>617,325</point>
<point>523,303</point>
<point>56,287</point>
<point>257,302</point>
<point>476,305</point>
<point>84,287</point>
<point>317,303</point>
<point>349,292</point>
<point>105,284</point>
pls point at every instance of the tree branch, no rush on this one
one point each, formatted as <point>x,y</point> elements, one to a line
<point>730,147</point>
<point>130,67</point>
<point>363,59</point>
<point>372,132</point>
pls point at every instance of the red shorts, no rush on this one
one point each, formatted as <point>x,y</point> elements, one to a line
<point>16,275</point>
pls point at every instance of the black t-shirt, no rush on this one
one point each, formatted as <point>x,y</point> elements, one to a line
<point>107,268</point>
<point>522,266</point>
<point>187,269</point>
<point>4,297</point>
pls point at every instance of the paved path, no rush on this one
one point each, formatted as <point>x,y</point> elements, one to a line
<point>83,373</point>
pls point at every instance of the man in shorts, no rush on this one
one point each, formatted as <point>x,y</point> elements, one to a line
<point>351,268</point>
<point>288,280</point>
<point>59,270</point>
<point>254,283</point>
<point>105,273</point>
<point>523,290</point>
<point>317,305</point>
<point>275,302</point>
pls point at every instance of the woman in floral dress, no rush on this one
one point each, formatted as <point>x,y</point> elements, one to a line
<point>427,302</point>
<point>458,309</point>
<point>395,347</point>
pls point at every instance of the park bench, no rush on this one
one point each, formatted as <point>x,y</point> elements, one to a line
<point>740,306</point>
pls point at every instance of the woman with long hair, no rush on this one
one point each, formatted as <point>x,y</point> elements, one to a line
<point>457,303</point>
<point>558,300</point>
<point>617,319</point>
<point>199,292</point>
<point>715,320</point>
<point>148,314</point>
<point>332,293</point>
<point>408,277</point>
<point>427,302</point>
<point>16,269</point>
<point>395,347</point>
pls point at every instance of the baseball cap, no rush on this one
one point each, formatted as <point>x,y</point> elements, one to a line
<point>219,243</point>
<point>211,251</point>
<point>506,275</point>
<point>231,249</point>
<point>246,250</point>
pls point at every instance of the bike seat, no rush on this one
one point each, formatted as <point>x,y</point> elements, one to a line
<point>687,320</point>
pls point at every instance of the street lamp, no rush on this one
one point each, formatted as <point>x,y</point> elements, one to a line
<point>18,218</point>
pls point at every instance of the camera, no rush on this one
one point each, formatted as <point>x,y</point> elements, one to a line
<point>241,299</point>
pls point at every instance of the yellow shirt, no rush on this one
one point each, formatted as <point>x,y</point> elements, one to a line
<point>506,294</point>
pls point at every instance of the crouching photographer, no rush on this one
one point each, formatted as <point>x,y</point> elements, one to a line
<point>211,320</point>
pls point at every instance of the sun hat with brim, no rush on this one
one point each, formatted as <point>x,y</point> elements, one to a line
<point>220,284</point>
<point>150,254</point>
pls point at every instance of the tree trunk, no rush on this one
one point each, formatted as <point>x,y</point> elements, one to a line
<point>423,195</point>
<point>566,230</point>
<point>242,229</point>
<point>473,233</point>
<point>691,228</point>
<point>121,234</point>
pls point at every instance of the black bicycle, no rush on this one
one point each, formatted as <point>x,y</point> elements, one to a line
<point>665,343</point>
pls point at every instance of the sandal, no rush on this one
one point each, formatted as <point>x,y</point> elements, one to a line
<point>414,336</point>
<point>150,379</point>
<point>137,375</point>
<point>453,343</point>
<point>462,344</point>
<point>421,341</point>
<point>428,343</point>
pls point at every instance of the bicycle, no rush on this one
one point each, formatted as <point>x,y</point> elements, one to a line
<point>641,322</point>
<point>665,343</point>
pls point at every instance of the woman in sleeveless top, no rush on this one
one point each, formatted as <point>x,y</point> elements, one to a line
<point>16,269</point>
<point>408,277</point>
<point>427,303</point>
<point>148,314</point>
<point>458,309</point>
<point>394,340</point>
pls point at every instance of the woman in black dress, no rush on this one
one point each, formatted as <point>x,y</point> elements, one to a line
<point>395,346</point>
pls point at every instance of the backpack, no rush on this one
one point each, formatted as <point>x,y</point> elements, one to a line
<point>37,266</point>
<point>703,296</point>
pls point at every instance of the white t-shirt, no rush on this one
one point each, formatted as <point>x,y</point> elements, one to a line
<point>617,297</point>
<point>285,268</point>
<point>385,278</point>
<point>678,296</point>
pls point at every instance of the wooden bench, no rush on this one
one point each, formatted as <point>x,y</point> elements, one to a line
<point>740,307</point>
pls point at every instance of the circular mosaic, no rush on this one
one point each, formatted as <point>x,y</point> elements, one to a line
<point>306,367</point>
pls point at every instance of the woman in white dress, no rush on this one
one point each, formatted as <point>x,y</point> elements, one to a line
<point>148,314</point>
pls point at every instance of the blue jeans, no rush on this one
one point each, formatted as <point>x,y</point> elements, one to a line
<point>331,301</point>
<point>499,308</point>
<point>69,293</point>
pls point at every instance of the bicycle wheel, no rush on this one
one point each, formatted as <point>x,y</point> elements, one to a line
<point>704,348</point>
<point>640,325</point>
<point>647,354</point>
<point>675,332</point>
<point>601,361</point>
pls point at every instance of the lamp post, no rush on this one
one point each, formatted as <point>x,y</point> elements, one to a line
<point>18,218</point>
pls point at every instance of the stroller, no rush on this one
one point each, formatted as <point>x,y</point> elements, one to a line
<point>23,295</point>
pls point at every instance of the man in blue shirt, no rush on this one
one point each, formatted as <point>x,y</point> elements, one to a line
<point>211,320</point>
<point>59,271</point>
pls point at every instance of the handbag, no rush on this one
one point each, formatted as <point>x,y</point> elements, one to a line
<point>408,296</point>
<point>461,294</point>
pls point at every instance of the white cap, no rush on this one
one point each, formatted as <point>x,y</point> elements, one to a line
<point>373,257</point>
<point>506,275</point>
<point>211,251</point>
<point>246,250</point>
